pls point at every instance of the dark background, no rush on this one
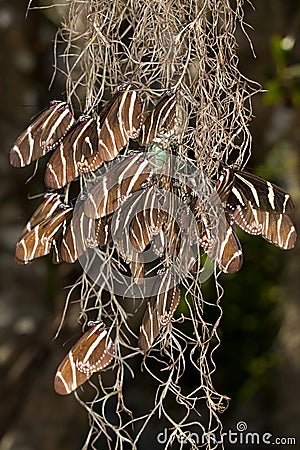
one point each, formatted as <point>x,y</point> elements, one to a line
<point>258,363</point>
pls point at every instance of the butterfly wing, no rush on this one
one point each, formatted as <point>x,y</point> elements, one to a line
<point>38,242</point>
<point>159,311</point>
<point>276,228</point>
<point>160,119</point>
<point>120,120</point>
<point>258,207</point>
<point>56,126</point>
<point>262,194</point>
<point>45,210</point>
<point>92,353</point>
<point>42,135</point>
<point>124,178</point>
<point>220,242</point>
<point>80,142</point>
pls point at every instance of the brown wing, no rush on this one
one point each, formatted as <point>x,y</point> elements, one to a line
<point>80,142</point>
<point>159,311</point>
<point>56,125</point>
<point>126,177</point>
<point>39,240</point>
<point>42,135</point>
<point>45,210</point>
<point>274,227</point>
<point>92,353</point>
<point>230,258</point>
<point>160,119</point>
<point>119,122</point>
<point>220,242</point>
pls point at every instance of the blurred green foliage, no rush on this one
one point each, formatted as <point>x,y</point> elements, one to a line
<point>284,83</point>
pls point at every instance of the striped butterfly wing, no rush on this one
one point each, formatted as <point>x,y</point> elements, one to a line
<point>139,207</point>
<point>45,210</point>
<point>220,243</point>
<point>120,120</point>
<point>230,257</point>
<point>260,208</point>
<point>148,221</point>
<point>114,187</point>
<point>43,134</point>
<point>175,246</point>
<point>79,143</point>
<point>144,226</point>
<point>83,233</point>
<point>103,233</point>
<point>275,228</point>
<point>119,230</point>
<point>167,242</point>
<point>73,241</point>
<point>249,189</point>
<point>93,352</point>
<point>150,327</point>
<point>159,311</point>
<point>39,241</point>
<point>161,118</point>
<point>56,126</point>
<point>173,238</point>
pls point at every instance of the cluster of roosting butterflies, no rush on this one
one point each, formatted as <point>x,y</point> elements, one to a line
<point>84,145</point>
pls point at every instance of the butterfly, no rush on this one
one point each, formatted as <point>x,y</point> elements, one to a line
<point>258,206</point>
<point>93,352</point>
<point>44,134</point>
<point>120,120</point>
<point>82,233</point>
<point>43,231</point>
<point>117,184</point>
<point>160,119</point>
<point>159,310</point>
<point>221,243</point>
<point>80,142</point>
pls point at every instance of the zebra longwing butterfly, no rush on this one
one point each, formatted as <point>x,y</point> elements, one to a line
<point>80,142</point>
<point>258,206</point>
<point>126,177</point>
<point>120,120</point>
<point>159,311</point>
<point>220,242</point>
<point>82,233</point>
<point>73,241</point>
<point>144,226</point>
<point>45,210</point>
<point>160,119</point>
<point>144,218</point>
<point>93,352</point>
<point>42,237</point>
<point>43,134</point>
<point>246,188</point>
